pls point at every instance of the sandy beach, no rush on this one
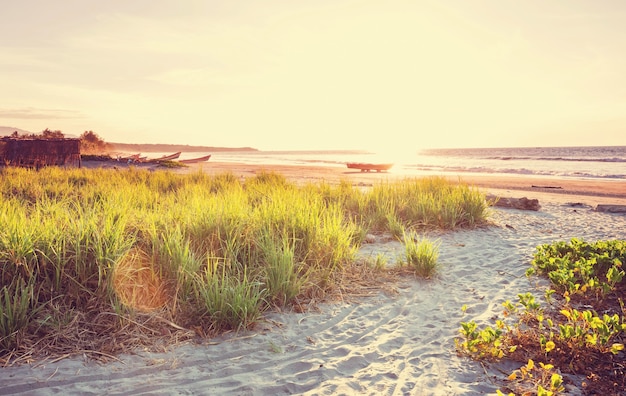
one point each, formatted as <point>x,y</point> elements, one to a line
<point>397,343</point>
<point>589,191</point>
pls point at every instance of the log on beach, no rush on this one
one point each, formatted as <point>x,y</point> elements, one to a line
<point>611,208</point>
<point>513,203</point>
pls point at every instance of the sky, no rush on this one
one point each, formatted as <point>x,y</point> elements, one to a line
<point>324,74</point>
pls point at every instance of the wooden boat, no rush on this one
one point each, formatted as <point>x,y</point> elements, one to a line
<point>170,157</point>
<point>132,157</point>
<point>366,167</point>
<point>195,160</point>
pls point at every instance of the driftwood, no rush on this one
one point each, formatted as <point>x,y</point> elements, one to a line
<point>513,203</point>
<point>611,208</point>
<point>557,187</point>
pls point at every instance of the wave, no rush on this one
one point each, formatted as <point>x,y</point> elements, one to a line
<point>584,153</point>
<point>604,163</point>
<point>571,159</point>
<point>513,171</point>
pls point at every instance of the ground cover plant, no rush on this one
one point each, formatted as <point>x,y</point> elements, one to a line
<point>98,261</point>
<point>579,330</point>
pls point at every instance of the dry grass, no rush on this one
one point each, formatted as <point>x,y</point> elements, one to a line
<point>138,285</point>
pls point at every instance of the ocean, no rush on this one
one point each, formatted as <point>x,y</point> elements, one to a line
<point>607,162</point>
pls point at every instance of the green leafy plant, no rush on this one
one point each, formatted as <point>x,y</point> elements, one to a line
<point>485,343</point>
<point>579,267</point>
<point>540,379</point>
<point>572,339</point>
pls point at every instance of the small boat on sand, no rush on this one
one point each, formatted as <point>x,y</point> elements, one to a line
<point>366,167</point>
<point>132,157</point>
<point>170,157</point>
<point>195,160</point>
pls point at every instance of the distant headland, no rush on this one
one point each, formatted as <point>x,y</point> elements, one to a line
<point>162,148</point>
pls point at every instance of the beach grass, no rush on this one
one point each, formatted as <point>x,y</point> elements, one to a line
<point>421,255</point>
<point>210,252</point>
<point>283,274</point>
<point>16,300</point>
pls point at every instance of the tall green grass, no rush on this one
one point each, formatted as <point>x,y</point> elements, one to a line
<point>421,255</point>
<point>228,302</point>
<point>16,311</point>
<point>217,250</point>
<point>284,276</point>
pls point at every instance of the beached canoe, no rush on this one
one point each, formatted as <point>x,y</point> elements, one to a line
<point>195,160</point>
<point>132,157</point>
<point>170,157</point>
<point>366,167</point>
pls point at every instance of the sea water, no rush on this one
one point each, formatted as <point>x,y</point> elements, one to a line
<point>607,162</point>
<point>580,162</point>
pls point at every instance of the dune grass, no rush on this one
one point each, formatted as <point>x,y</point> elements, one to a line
<point>16,300</point>
<point>99,248</point>
<point>421,255</point>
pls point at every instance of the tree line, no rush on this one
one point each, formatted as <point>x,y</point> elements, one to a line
<point>90,142</point>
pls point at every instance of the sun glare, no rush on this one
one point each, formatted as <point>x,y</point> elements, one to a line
<point>137,284</point>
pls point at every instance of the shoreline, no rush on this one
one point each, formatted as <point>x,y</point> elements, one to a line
<point>553,189</point>
<point>545,189</point>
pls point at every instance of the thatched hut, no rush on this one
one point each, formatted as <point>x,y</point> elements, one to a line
<point>40,152</point>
